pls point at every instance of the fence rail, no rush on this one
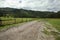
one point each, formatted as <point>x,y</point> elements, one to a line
<point>7,21</point>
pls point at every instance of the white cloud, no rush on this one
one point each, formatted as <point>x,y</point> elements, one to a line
<point>42,5</point>
<point>10,3</point>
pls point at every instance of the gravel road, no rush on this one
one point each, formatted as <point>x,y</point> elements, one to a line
<point>27,31</point>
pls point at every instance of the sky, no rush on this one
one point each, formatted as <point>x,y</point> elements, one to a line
<point>38,5</point>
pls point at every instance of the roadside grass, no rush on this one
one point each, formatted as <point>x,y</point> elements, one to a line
<point>5,27</point>
<point>7,22</point>
<point>56,24</point>
<point>54,21</point>
<point>46,32</point>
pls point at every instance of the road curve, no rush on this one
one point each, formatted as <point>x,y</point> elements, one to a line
<point>28,31</point>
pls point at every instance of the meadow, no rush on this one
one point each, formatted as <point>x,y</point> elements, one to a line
<point>56,24</point>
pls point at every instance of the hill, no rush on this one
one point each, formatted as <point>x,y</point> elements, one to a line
<point>28,13</point>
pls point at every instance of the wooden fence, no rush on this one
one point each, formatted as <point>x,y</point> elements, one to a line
<point>15,21</point>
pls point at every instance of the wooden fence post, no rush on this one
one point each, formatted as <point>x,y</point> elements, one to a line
<point>0,22</point>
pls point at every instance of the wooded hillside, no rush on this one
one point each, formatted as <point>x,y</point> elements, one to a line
<point>27,13</point>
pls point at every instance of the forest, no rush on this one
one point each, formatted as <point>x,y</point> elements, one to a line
<point>22,13</point>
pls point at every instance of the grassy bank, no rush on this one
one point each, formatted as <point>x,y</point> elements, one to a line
<point>7,22</point>
<point>54,21</point>
<point>56,24</point>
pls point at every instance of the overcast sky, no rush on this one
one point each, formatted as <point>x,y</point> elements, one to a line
<point>40,5</point>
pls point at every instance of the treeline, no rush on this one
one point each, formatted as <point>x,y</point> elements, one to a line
<point>21,13</point>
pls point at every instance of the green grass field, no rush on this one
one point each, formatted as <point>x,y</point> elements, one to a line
<point>56,24</point>
<point>54,21</point>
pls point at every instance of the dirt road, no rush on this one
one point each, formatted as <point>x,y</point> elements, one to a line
<point>28,31</point>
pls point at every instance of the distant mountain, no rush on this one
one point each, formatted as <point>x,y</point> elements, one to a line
<point>7,9</point>
<point>27,13</point>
